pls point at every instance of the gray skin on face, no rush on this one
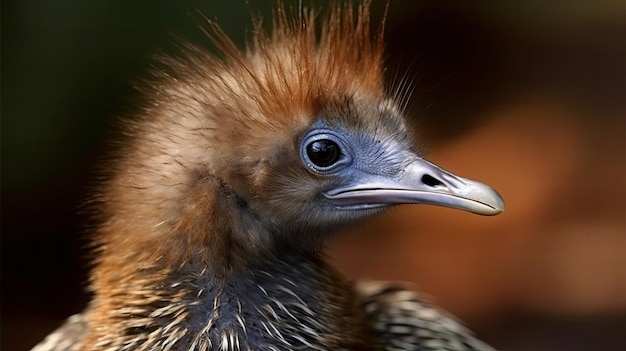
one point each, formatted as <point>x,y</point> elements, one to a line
<point>376,173</point>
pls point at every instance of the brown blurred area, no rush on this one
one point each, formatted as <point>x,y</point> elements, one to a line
<point>526,96</point>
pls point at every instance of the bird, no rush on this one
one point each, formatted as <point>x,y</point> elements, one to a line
<point>236,168</point>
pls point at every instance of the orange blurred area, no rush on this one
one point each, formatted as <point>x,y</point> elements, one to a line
<point>557,249</point>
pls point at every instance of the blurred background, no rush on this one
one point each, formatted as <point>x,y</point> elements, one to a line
<point>527,96</point>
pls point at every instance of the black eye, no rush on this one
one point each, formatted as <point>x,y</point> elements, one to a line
<point>323,153</point>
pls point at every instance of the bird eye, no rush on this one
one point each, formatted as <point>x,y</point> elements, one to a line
<point>323,153</point>
<point>325,150</point>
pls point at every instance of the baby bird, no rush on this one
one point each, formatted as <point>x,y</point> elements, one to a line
<point>235,171</point>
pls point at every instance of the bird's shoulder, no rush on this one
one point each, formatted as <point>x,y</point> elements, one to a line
<point>406,321</point>
<point>67,337</point>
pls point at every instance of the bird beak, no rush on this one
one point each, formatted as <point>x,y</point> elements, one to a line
<point>421,182</point>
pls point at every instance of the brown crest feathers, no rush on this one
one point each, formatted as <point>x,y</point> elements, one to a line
<point>287,71</point>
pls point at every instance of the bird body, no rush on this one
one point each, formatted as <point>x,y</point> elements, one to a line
<point>236,169</point>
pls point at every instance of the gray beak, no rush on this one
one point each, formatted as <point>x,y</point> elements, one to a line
<point>421,182</point>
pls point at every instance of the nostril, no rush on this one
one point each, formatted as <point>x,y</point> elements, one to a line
<point>430,180</point>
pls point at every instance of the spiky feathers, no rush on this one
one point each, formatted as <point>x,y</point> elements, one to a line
<point>208,240</point>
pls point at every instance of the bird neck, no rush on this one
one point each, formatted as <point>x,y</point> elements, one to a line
<point>178,262</point>
<point>290,303</point>
<point>205,227</point>
<point>287,300</point>
<point>201,220</point>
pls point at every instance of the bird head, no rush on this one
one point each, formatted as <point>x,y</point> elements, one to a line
<point>283,141</point>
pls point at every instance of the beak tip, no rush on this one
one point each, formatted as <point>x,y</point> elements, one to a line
<point>494,205</point>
